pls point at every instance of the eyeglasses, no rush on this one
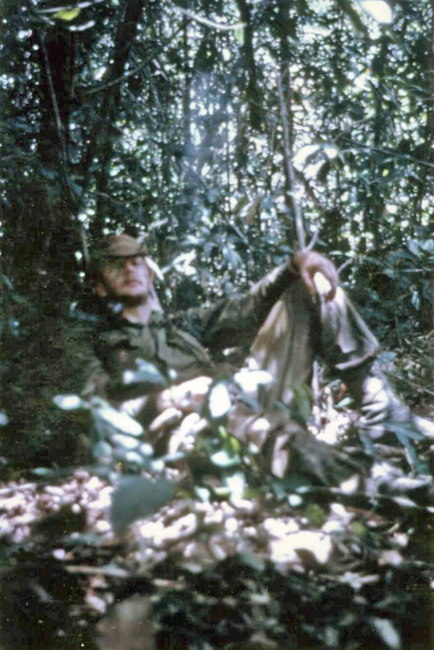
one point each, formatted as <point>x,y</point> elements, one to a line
<point>112,264</point>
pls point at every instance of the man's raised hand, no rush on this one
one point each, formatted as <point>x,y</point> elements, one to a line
<point>310,263</point>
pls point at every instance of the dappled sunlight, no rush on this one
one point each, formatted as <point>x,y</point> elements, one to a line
<point>378,9</point>
<point>288,550</point>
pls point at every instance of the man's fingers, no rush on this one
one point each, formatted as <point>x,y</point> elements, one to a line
<point>331,294</point>
<point>311,264</point>
<point>308,281</point>
<point>333,276</point>
<point>323,286</point>
<point>319,281</point>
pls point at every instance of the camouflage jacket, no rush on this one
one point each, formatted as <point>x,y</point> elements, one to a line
<point>179,346</point>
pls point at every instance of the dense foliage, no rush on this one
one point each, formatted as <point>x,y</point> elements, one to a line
<point>230,133</point>
<point>213,127</point>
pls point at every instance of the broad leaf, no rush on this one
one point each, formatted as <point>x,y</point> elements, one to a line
<point>137,497</point>
<point>232,257</point>
<point>102,449</point>
<point>67,14</point>
<point>236,483</point>
<point>241,203</point>
<point>387,632</point>
<point>119,421</point>
<point>219,400</point>
<point>302,399</point>
<point>127,442</point>
<point>69,402</point>
<point>224,458</point>
<point>146,373</point>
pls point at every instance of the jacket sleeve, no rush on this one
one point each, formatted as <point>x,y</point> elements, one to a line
<point>96,379</point>
<point>86,375</point>
<point>236,321</point>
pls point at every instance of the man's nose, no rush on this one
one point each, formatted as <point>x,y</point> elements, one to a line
<point>128,265</point>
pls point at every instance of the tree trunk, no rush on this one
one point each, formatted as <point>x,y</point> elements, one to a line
<point>252,91</point>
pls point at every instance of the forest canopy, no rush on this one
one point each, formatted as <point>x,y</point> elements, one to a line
<point>230,132</point>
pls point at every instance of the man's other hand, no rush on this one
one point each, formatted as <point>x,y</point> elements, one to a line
<point>310,263</point>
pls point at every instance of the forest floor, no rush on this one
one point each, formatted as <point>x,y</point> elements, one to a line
<point>274,568</point>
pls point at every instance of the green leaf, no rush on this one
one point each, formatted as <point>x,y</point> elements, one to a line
<point>302,400</point>
<point>20,300</point>
<point>137,497</point>
<point>213,195</point>
<point>427,246</point>
<point>43,471</point>
<point>136,459</point>
<point>50,174</point>
<point>69,402</point>
<point>279,489</point>
<point>346,401</point>
<point>358,529</point>
<point>6,281</point>
<point>315,515</point>
<point>236,483</point>
<point>404,431</point>
<point>413,247</point>
<point>102,450</point>
<point>224,459</point>
<point>231,257</point>
<point>147,374</point>
<point>251,560</point>
<point>241,203</point>
<point>295,500</point>
<point>106,414</point>
<point>221,492</point>
<point>387,632</point>
<point>127,442</point>
<point>234,444</point>
<point>202,493</point>
<point>219,400</point>
<point>146,449</point>
<point>67,14</point>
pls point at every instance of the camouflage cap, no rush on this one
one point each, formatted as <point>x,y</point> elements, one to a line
<point>114,246</point>
<point>120,246</point>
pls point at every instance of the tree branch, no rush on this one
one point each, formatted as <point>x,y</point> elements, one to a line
<point>124,38</point>
<point>253,95</point>
<point>287,150</point>
<point>388,152</point>
<point>207,22</point>
<point>59,127</point>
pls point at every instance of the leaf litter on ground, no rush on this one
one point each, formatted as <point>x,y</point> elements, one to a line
<point>308,568</point>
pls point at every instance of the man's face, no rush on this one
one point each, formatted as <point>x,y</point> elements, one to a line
<point>126,278</point>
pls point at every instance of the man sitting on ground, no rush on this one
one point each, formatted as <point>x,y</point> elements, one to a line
<point>296,312</point>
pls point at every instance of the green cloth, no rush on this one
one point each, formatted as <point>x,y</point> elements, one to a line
<point>181,346</point>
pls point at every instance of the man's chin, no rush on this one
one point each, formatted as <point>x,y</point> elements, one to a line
<point>133,300</point>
